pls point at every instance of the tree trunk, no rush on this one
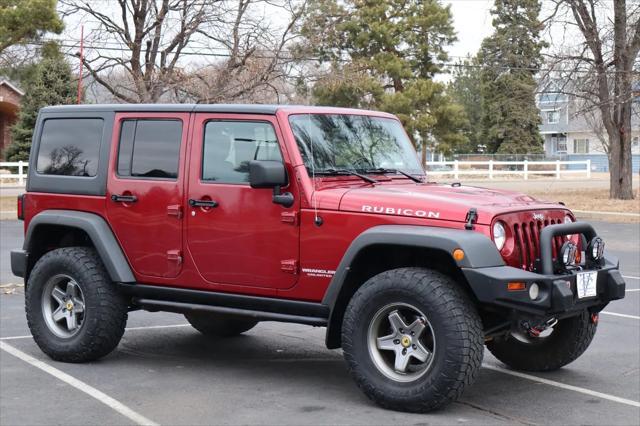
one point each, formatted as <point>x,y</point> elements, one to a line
<point>424,154</point>
<point>620,169</point>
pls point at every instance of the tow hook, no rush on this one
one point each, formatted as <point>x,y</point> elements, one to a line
<point>536,330</point>
<point>595,318</point>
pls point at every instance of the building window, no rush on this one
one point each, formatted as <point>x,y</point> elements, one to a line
<point>149,148</point>
<point>635,142</point>
<point>552,117</point>
<point>559,143</point>
<point>581,146</point>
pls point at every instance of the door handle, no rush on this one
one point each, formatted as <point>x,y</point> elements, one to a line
<point>124,198</point>
<point>203,203</point>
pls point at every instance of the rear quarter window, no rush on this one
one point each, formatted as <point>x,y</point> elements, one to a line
<point>70,147</point>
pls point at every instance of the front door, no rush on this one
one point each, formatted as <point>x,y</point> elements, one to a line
<point>145,190</point>
<point>236,234</point>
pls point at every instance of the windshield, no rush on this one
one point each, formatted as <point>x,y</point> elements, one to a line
<point>353,142</point>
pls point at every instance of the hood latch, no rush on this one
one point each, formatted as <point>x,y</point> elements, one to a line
<point>472,216</point>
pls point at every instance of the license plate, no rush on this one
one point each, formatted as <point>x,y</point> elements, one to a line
<point>586,284</point>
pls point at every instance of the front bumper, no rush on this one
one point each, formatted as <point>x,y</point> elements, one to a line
<point>557,296</point>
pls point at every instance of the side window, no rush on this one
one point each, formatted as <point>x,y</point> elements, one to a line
<point>230,145</point>
<point>149,148</point>
<point>70,147</point>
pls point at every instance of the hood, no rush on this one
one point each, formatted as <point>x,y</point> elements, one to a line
<point>438,201</point>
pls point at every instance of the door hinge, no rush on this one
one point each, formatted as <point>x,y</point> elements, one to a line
<point>174,256</point>
<point>289,217</point>
<point>175,210</point>
<point>290,266</point>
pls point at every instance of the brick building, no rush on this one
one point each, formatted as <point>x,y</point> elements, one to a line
<point>10,97</point>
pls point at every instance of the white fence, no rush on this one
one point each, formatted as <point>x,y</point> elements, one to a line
<point>518,168</point>
<point>21,167</point>
<point>456,168</point>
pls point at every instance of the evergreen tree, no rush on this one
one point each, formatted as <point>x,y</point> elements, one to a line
<point>510,58</point>
<point>25,20</point>
<point>50,83</point>
<point>384,55</point>
<point>466,90</point>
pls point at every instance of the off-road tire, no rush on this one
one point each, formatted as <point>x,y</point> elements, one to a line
<point>457,329</point>
<point>105,314</point>
<point>219,325</point>
<point>569,339</point>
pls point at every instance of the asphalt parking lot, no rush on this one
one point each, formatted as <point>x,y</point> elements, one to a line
<point>165,372</point>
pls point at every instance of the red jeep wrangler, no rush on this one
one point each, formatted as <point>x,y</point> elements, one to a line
<point>235,214</point>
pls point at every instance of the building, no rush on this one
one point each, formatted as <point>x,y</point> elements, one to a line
<point>571,134</point>
<point>10,97</point>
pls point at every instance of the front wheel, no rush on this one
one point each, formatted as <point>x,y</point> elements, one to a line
<point>555,348</point>
<point>412,339</point>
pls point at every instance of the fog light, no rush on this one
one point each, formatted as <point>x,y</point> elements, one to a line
<point>595,250</point>
<point>568,253</point>
<point>534,291</point>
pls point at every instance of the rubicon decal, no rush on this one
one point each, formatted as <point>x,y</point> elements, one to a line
<point>400,211</point>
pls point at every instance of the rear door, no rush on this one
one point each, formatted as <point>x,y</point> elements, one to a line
<point>145,190</point>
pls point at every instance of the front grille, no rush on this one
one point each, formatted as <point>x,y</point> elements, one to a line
<point>527,242</point>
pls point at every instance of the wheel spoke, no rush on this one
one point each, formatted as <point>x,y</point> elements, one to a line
<point>386,343</point>
<point>420,352</point>
<point>72,322</point>
<point>417,327</point>
<point>396,321</point>
<point>58,295</point>
<point>401,362</point>
<point>58,314</point>
<point>78,305</point>
<point>72,289</point>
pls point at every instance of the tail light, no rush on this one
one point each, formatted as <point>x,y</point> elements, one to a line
<point>20,207</point>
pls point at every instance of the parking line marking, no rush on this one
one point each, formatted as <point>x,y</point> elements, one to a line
<point>151,327</point>
<point>80,385</point>
<point>563,385</point>
<point>16,337</point>
<point>615,314</point>
<point>147,327</point>
<point>631,277</point>
<point>633,289</point>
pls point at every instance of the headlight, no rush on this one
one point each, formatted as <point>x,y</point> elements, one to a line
<point>568,253</point>
<point>595,250</point>
<point>499,235</point>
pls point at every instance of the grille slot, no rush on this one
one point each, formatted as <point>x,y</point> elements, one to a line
<point>527,242</point>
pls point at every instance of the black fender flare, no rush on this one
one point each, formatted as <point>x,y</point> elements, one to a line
<point>480,252</point>
<point>98,231</point>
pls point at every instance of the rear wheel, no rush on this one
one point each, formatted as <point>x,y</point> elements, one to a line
<point>219,325</point>
<point>553,349</point>
<point>74,311</point>
<point>412,339</point>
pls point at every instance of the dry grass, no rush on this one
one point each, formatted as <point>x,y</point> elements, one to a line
<point>596,200</point>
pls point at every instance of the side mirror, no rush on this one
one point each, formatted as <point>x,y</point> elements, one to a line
<point>267,174</point>
<point>270,174</point>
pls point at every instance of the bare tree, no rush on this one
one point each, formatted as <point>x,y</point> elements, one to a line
<point>601,69</point>
<point>189,50</point>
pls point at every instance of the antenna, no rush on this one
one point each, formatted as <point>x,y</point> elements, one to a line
<point>81,63</point>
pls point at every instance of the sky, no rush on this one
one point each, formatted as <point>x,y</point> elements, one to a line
<point>472,21</point>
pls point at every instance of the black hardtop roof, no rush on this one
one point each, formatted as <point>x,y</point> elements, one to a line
<point>220,108</point>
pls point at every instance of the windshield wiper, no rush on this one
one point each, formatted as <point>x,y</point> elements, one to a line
<point>395,171</point>
<point>336,172</point>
